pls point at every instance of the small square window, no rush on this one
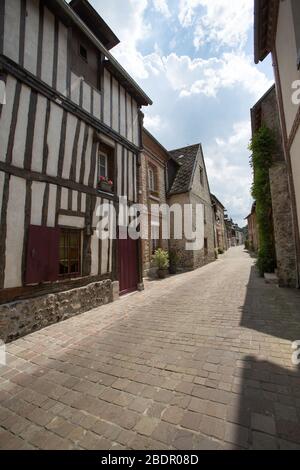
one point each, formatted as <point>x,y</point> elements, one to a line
<point>83,52</point>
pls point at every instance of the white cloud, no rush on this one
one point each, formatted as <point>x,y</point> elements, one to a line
<point>162,7</point>
<point>229,171</point>
<point>208,76</point>
<point>224,23</point>
<point>126,18</point>
<point>152,122</point>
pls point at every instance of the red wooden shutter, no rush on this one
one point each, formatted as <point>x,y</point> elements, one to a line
<point>42,254</point>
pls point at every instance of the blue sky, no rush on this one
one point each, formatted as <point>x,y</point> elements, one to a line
<point>195,60</point>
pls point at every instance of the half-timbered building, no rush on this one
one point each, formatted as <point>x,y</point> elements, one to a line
<point>71,116</point>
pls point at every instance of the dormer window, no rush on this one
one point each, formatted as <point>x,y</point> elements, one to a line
<point>83,53</point>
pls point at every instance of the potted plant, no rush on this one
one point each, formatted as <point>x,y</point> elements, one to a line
<point>161,261</point>
<point>105,184</point>
<point>173,259</point>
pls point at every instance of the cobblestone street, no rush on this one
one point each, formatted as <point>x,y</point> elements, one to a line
<point>200,360</point>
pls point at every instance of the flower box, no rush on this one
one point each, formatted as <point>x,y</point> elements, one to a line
<point>105,185</point>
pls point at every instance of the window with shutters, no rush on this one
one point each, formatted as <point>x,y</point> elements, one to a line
<point>69,252</point>
<point>42,254</point>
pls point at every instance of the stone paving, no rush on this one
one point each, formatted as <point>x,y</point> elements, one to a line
<point>200,360</point>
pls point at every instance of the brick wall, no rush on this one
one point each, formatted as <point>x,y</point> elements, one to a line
<point>153,155</point>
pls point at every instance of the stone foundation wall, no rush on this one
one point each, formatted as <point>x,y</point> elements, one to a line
<point>283,226</point>
<point>25,316</point>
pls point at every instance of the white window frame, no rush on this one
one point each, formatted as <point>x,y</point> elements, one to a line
<point>102,154</point>
<point>151,178</point>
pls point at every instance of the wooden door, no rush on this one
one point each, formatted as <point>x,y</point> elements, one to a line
<point>128,273</point>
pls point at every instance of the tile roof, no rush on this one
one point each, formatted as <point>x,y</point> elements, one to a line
<point>186,158</point>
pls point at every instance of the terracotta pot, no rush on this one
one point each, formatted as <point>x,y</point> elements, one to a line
<point>173,269</point>
<point>161,273</point>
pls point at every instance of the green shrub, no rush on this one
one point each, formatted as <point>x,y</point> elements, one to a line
<point>161,259</point>
<point>262,146</point>
<point>247,244</point>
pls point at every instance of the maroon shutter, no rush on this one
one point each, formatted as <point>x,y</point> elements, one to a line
<point>42,254</point>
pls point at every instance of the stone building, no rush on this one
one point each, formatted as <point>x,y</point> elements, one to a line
<point>72,117</point>
<point>219,224</point>
<point>154,160</point>
<point>276,32</point>
<point>265,112</point>
<point>188,184</point>
<point>253,230</point>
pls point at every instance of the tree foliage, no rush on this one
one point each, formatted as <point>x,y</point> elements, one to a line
<point>262,146</point>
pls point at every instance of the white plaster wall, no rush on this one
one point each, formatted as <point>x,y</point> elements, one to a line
<point>64,199</point>
<point>104,256</point>
<point>70,136</point>
<point>115,96</point>
<point>135,182</point>
<point>6,116</point>
<point>53,139</point>
<point>74,200</point>
<point>71,221</point>
<point>106,93</point>
<point>95,254</point>
<point>122,112</point>
<point>52,206</point>
<point>119,163</point>
<point>31,35</point>
<point>15,232</point>
<point>287,60</point>
<point>86,97</point>
<point>135,123</point>
<point>83,202</point>
<point>129,119</point>
<point>38,138</point>
<point>21,128</point>
<point>88,157</point>
<point>130,177</point>
<point>12,29</point>
<point>295,160</point>
<point>37,197</point>
<point>75,88</point>
<point>125,173</point>
<point>62,59</point>
<point>79,150</point>
<point>97,104</point>
<point>48,47</point>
